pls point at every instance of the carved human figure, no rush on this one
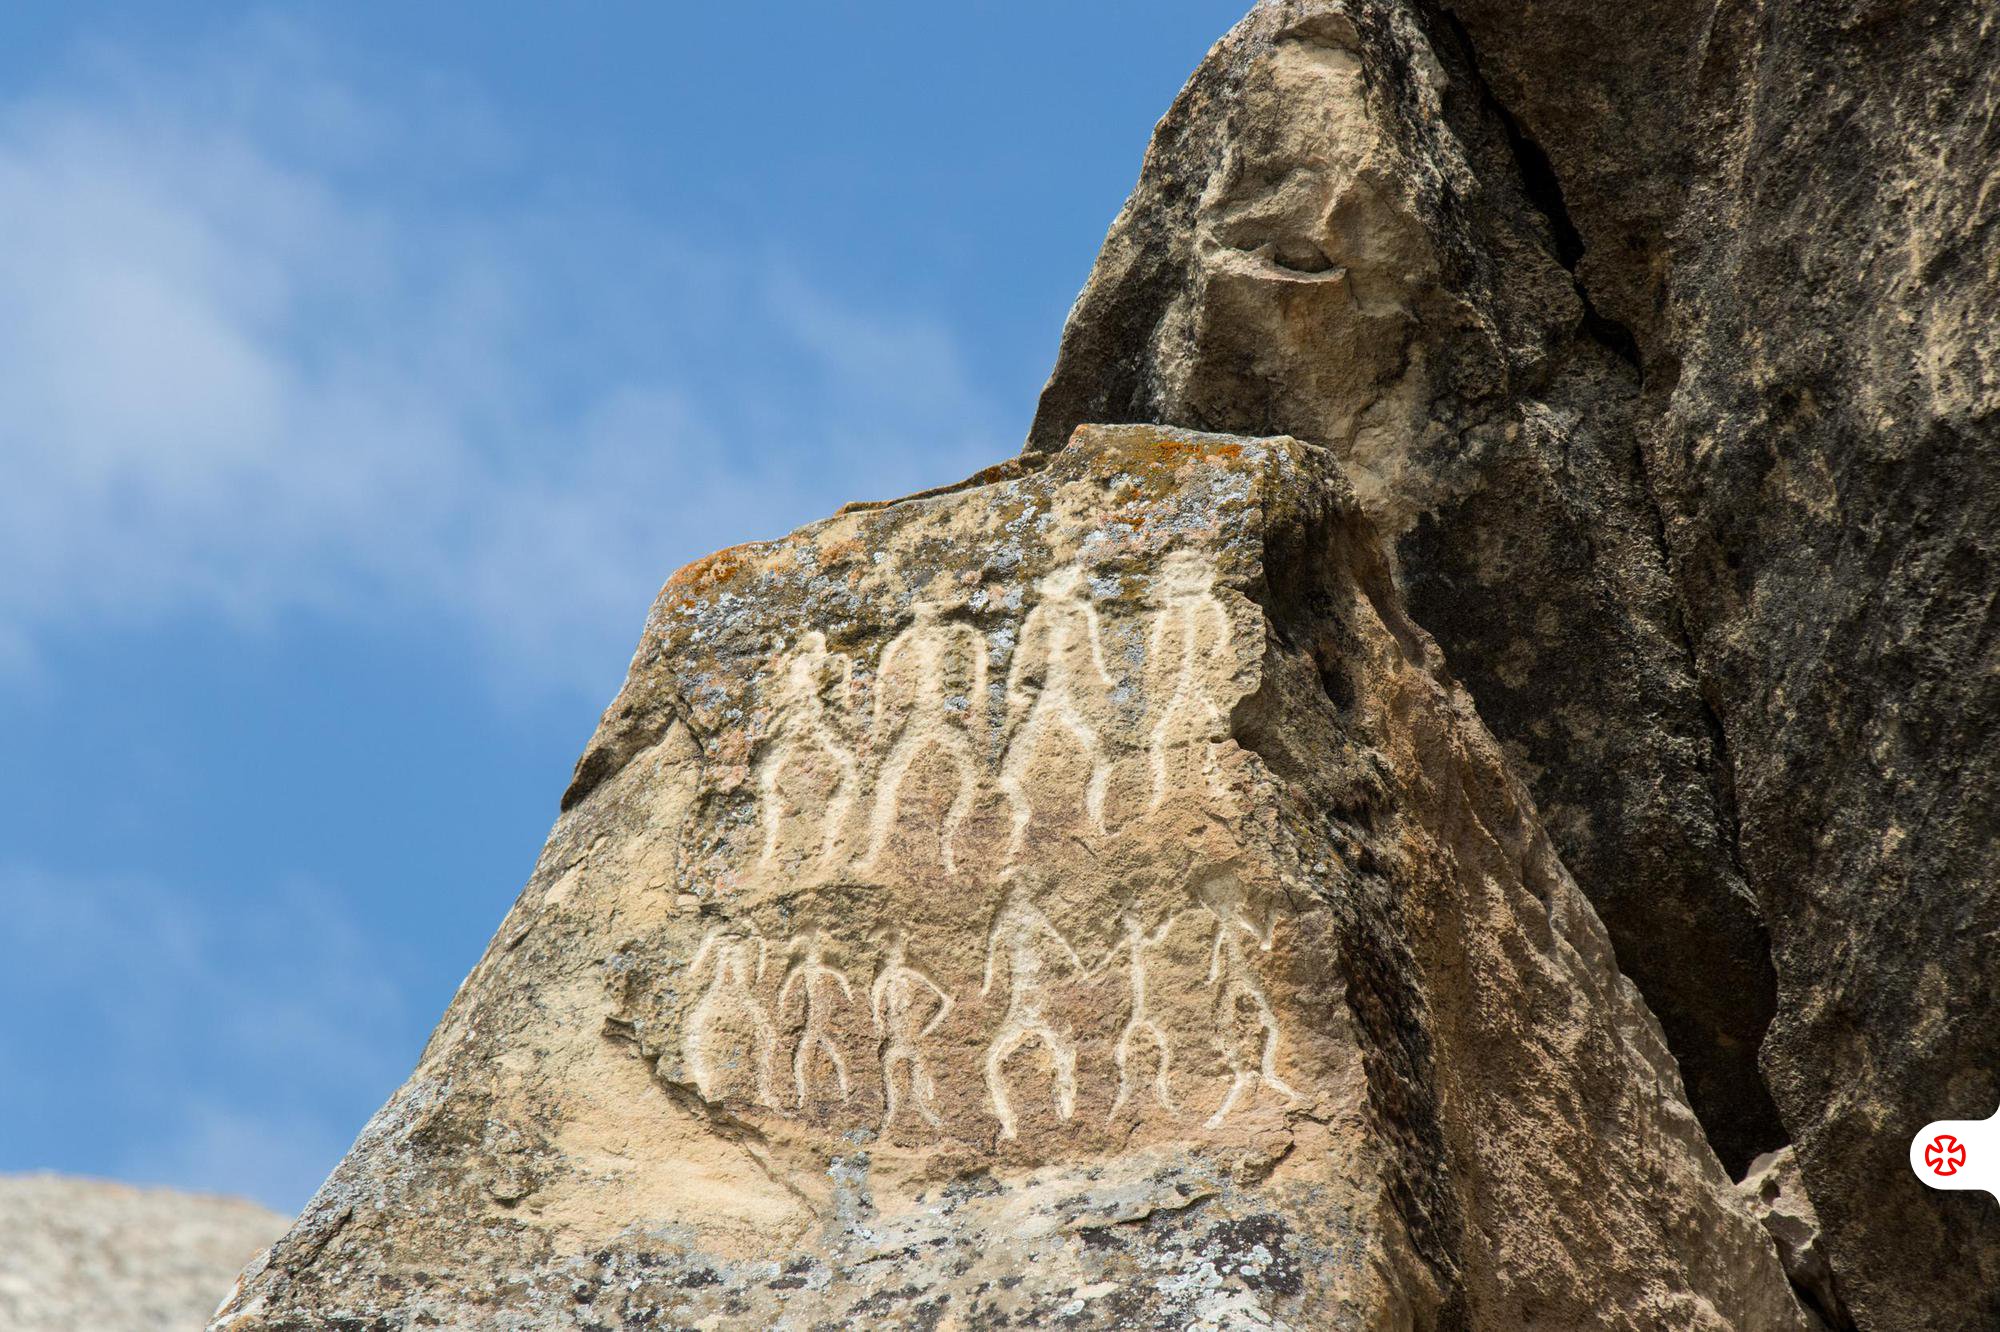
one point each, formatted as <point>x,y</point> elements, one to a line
<point>818,983</point>
<point>897,1001</point>
<point>1246,1026</point>
<point>729,1009</point>
<point>1031,944</point>
<point>1057,680</point>
<point>930,693</point>
<point>1138,941</point>
<point>1191,647</point>
<point>802,726</point>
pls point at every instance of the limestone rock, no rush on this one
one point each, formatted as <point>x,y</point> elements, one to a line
<point>86,1254</point>
<point>1660,340</point>
<point>1080,898</point>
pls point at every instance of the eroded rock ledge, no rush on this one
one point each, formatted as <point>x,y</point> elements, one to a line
<point>1077,899</point>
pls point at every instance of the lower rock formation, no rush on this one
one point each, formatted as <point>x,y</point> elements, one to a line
<point>84,1255</point>
<point>1080,898</point>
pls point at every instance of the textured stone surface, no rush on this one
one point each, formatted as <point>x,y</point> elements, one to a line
<point>1076,899</point>
<point>1660,339</point>
<point>85,1254</point>
<point>1777,1198</point>
<point>1332,239</point>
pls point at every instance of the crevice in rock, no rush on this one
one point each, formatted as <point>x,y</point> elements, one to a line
<point>1722,767</point>
<point>1545,193</point>
<point>1722,764</point>
<point>1542,187</point>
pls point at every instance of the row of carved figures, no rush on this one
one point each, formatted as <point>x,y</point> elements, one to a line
<point>930,692</point>
<point>907,1007</point>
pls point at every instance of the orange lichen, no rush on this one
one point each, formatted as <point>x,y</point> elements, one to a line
<point>1176,451</point>
<point>843,551</point>
<point>712,571</point>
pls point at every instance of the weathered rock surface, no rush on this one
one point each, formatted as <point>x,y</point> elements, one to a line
<point>1660,341</point>
<point>1332,239</point>
<point>84,1254</point>
<point>1081,898</point>
<point>1777,1198</point>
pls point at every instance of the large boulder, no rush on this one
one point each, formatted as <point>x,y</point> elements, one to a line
<point>89,1254</point>
<point>1660,341</point>
<point>1079,898</point>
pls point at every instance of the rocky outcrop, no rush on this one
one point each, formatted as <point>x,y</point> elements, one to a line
<point>1093,895</point>
<point>1659,340</point>
<point>86,1254</point>
<point>1333,238</point>
<point>1081,898</point>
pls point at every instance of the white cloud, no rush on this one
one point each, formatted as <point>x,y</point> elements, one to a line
<point>268,349</point>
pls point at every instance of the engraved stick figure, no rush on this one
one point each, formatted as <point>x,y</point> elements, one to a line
<point>1192,639</point>
<point>915,676</point>
<point>816,980</point>
<point>801,725</point>
<point>1242,995</point>
<point>1060,657</point>
<point>895,1001</point>
<point>1027,936</point>
<point>729,996</point>
<point>1138,940</point>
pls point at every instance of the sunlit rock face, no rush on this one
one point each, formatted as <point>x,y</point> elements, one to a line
<point>1078,898</point>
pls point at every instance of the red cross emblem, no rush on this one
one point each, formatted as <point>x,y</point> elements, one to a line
<point>1944,1154</point>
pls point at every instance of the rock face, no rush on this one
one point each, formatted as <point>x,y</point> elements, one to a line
<point>81,1253</point>
<point>1332,239</point>
<point>1080,898</point>
<point>1659,340</point>
<point>1777,1197</point>
<point>1087,897</point>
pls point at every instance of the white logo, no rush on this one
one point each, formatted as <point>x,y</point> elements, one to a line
<point>1959,1154</point>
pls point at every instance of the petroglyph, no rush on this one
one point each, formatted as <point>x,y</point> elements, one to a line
<point>1133,948</point>
<point>1058,679</point>
<point>817,983</point>
<point>1191,641</point>
<point>930,692</point>
<point>896,1002</point>
<point>1028,939</point>
<point>1246,1026</point>
<point>802,727</point>
<point>729,1014</point>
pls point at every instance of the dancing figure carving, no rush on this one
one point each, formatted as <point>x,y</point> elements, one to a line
<point>1030,943</point>
<point>1058,674</point>
<point>1138,941</point>
<point>1246,1029</point>
<point>1192,644</point>
<point>897,1001</point>
<point>818,983</point>
<point>930,693</point>
<point>738,958</point>
<point>803,726</point>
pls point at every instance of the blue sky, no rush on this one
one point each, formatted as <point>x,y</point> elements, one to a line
<point>366,369</point>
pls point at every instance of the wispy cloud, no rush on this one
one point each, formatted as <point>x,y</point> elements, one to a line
<point>155,1000</point>
<point>274,342</point>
